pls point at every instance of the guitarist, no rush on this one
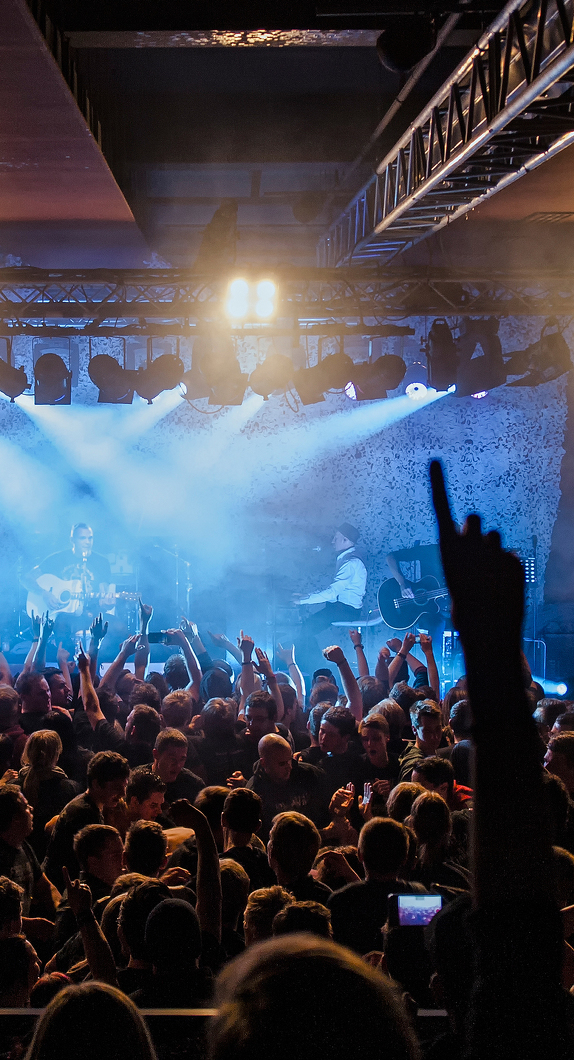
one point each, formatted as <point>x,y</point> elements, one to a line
<point>423,561</point>
<point>80,565</point>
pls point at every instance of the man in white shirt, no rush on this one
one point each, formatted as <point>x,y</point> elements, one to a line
<point>343,598</point>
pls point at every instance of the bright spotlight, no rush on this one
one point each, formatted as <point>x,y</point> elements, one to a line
<point>416,391</point>
<point>561,688</point>
<point>237,299</point>
<point>265,306</point>
<point>53,381</point>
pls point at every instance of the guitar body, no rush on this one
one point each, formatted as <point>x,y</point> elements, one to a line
<point>69,594</point>
<point>400,613</point>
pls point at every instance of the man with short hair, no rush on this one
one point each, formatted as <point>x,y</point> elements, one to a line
<point>169,757</point>
<point>145,793</point>
<point>9,723</point>
<point>98,850</point>
<point>437,774</point>
<point>35,700</point>
<point>107,779</point>
<point>426,721</point>
<point>340,763</point>
<point>559,759</point>
<point>145,848</point>
<point>240,819</point>
<point>18,861</point>
<point>293,846</point>
<point>284,784</point>
<point>142,728</point>
<point>359,910</point>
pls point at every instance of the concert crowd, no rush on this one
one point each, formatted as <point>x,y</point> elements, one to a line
<point>233,834</point>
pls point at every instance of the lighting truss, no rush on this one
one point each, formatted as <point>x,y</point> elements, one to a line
<point>507,108</point>
<point>337,302</point>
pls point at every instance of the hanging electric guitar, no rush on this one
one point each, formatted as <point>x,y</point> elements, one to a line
<point>69,594</point>
<point>399,612</point>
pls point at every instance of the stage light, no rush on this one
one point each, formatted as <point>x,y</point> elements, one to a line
<point>561,688</point>
<point>333,373</point>
<point>195,385</point>
<point>274,374</point>
<point>237,305</point>
<point>165,373</point>
<point>265,304</point>
<point>372,379</point>
<point>542,361</point>
<point>442,356</point>
<point>415,381</point>
<point>13,381</point>
<point>478,375</point>
<point>53,381</point>
<point>115,384</point>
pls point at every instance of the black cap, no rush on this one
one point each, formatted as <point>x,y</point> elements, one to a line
<point>349,531</point>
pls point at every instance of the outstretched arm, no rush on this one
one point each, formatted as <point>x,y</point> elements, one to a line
<point>177,636</point>
<point>224,644</point>
<point>88,692</point>
<point>96,947</point>
<point>382,667</point>
<point>265,668</point>
<point>287,655</point>
<point>402,655</point>
<point>357,642</point>
<point>46,630</point>
<point>517,1004</point>
<point>208,885</point>
<point>115,668</point>
<point>432,671</point>
<point>142,649</point>
<point>336,655</point>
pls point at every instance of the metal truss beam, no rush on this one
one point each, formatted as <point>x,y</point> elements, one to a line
<point>162,303</point>
<point>507,108</point>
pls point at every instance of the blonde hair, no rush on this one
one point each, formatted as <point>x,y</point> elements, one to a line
<point>41,753</point>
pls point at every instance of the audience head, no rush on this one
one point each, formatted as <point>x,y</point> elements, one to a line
<point>260,713</point>
<point>175,672</point>
<point>310,917</point>
<point>242,811</point>
<point>323,692</point>
<point>316,715</point>
<point>169,754</point>
<point>337,727</point>
<point>108,774</point>
<point>91,1021</point>
<point>210,801</point>
<point>430,820</point>
<point>307,977</point>
<point>136,906</point>
<point>143,724</point>
<point>159,682</point>
<point>99,850</point>
<point>563,723</point>
<point>460,719</point>
<point>383,847</point>
<point>218,720</point>
<point>559,758</point>
<point>276,757</point>
<point>375,735</point>
<point>234,891</point>
<point>395,716</point>
<point>11,895</point>
<point>372,692</point>
<point>145,848</point>
<point>143,692</point>
<point>215,684</point>
<point>16,818</point>
<point>435,774</point>
<point>34,692</point>
<point>9,702</point>
<point>144,794</point>
<point>405,695</point>
<point>260,911</point>
<point>58,686</point>
<point>176,709</point>
<point>426,721</point>
<point>173,937</point>
<point>19,971</point>
<point>546,712</point>
<point>293,845</point>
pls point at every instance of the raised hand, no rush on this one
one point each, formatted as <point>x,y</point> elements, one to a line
<point>246,644</point>
<point>146,611</point>
<point>83,660</point>
<point>188,627</point>
<point>384,653</point>
<point>426,643</point>
<point>236,780</point>
<point>408,642</point>
<point>129,646</point>
<point>334,654</point>
<point>356,637</point>
<point>365,807</point>
<point>78,894</point>
<point>341,801</point>
<point>36,621</point>
<point>485,582</point>
<point>263,665</point>
<point>98,630</point>
<point>394,644</point>
<point>46,628</point>
<point>287,655</point>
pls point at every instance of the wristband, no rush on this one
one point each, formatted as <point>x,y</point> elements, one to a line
<point>358,645</point>
<point>400,655</point>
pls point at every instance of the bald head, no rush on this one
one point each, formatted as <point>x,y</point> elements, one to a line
<point>276,757</point>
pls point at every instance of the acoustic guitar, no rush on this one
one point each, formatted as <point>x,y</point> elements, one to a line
<point>69,593</point>
<point>399,612</point>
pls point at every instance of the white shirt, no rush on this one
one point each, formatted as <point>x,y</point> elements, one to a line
<point>349,583</point>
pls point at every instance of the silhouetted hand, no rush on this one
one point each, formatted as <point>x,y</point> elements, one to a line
<point>486,583</point>
<point>98,630</point>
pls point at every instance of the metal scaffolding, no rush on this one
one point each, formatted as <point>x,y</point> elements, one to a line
<point>507,108</point>
<point>158,303</point>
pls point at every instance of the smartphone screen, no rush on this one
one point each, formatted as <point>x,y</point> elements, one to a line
<point>157,638</point>
<point>417,910</point>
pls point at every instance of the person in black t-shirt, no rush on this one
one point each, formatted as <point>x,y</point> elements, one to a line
<point>75,584</point>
